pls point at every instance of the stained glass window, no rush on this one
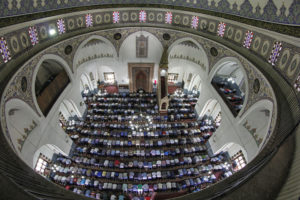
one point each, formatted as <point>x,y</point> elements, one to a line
<point>248,39</point>
<point>116,17</point>
<point>297,84</point>
<point>221,29</point>
<point>275,53</point>
<point>168,18</point>
<point>61,26</point>
<point>88,20</point>
<point>143,16</point>
<point>33,35</point>
<point>4,50</point>
<point>195,20</point>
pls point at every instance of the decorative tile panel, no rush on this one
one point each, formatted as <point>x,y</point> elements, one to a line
<point>221,29</point>
<point>88,20</point>
<point>142,16</point>
<point>116,17</point>
<point>168,17</point>
<point>275,53</point>
<point>61,26</point>
<point>33,35</point>
<point>195,21</point>
<point>248,39</point>
<point>297,84</point>
<point>4,50</point>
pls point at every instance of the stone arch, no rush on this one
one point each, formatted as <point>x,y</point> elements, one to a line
<point>211,108</point>
<point>204,58</point>
<point>85,82</point>
<point>128,48</point>
<point>256,121</point>
<point>65,72</point>
<point>231,71</point>
<point>69,109</point>
<point>93,40</point>
<point>21,121</point>
<point>195,83</point>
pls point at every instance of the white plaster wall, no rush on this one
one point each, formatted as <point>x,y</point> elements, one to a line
<point>230,128</point>
<point>177,48</point>
<point>184,68</point>
<point>74,94</point>
<point>64,110</point>
<point>49,132</point>
<point>233,148</point>
<point>127,54</point>
<point>92,50</point>
<point>239,76</point>
<point>47,150</point>
<point>256,118</point>
<point>85,81</point>
<point>127,51</point>
<point>196,82</point>
<point>99,66</point>
<point>229,132</point>
<point>69,109</point>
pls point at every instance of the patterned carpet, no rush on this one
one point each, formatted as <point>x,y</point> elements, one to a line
<point>111,89</point>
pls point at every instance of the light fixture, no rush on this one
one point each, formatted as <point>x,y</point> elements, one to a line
<point>52,31</point>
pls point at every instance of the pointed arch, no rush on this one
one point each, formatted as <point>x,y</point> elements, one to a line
<point>92,41</point>
<point>212,108</point>
<point>51,72</point>
<point>69,109</point>
<point>195,83</point>
<point>256,121</point>
<point>199,51</point>
<point>229,74</point>
<point>21,120</point>
<point>85,82</point>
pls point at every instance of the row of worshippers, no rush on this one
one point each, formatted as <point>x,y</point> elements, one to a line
<point>231,92</point>
<point>138,152</point>
<point>92,179</point>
